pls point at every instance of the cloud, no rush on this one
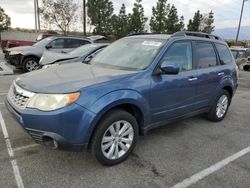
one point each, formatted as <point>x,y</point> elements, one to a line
<point>20,11</point>
<point>226,11</point>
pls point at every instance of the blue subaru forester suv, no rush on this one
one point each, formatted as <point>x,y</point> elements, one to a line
<point>137,83</point>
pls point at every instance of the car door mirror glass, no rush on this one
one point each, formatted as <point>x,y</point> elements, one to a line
<point>169,68</point>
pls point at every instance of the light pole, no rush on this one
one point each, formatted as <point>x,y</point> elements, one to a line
<point>35,11</point>
<point>84,17</point>
<point>238,31</point>
<point>38,15</point>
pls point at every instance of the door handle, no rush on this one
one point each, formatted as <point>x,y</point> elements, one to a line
<point>192,79</point>
<point>220,73</point>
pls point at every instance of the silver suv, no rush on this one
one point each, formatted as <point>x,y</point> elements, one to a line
<point>27,57</point>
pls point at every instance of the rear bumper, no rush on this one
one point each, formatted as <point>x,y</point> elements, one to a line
<point>69,127</point>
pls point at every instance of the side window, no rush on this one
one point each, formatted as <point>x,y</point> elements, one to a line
<point>57,43</point>
<point>224,53</point>
<point>206,56</point>
<point>180,53</point>
<point>74,43</point>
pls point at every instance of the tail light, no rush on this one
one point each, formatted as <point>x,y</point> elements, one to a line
<point>237,71</point>
<point>248,58</point>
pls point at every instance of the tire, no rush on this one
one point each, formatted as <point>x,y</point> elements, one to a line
<point>30,64</point>
<point>219,109</point>
<point>246,67</point>
<point>102,149</point>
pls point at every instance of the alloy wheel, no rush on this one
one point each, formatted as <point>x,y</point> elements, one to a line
<point>222,106</point>
<point>117,140</point>
<point>31,65</point>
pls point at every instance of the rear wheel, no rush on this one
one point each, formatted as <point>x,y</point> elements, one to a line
<point>220,107</point>
<point>115,137</point>
<point>30,64</point>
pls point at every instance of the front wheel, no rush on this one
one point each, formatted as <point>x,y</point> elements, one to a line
<point>115,137</point>
<point>220,107</point>
<point>30,64</point>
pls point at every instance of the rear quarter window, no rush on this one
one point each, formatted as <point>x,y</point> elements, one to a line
<point>224,54</point>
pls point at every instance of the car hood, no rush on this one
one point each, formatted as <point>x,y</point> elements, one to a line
<point>23,48</point>
<point>53,57</point>
<point>68,78</point>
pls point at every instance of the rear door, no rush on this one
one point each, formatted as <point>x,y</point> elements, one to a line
<point>74,43</point>
<point>209,72</point>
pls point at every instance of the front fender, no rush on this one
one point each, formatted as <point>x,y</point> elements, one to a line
<point>119,97</point>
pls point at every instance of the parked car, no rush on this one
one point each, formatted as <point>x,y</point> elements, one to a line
<point>81,54</point>
<point>135,84</point>
<point>242,56</point>
<point>27,57</point>
<point>6,44</point>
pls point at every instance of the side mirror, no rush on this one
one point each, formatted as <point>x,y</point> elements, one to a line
<point>48,46</point>
<point>88,59</point>
<point>169,68</point>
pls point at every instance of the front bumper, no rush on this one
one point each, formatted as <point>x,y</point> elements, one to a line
<point>70,127</point>
<point>14,59</point>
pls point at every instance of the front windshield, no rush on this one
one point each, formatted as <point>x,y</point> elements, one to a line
<point>82,50</point>
<point>42,43</point>
<point>129,54</point>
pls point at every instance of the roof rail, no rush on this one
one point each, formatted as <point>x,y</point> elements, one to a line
<point>134,34</point>
<point>196,34</point>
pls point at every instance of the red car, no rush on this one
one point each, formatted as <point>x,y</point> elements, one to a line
<point>5,44</point>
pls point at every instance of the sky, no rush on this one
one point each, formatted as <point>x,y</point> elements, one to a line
<point>227,12</point>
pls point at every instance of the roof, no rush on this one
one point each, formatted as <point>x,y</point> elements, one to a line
<point>69,37</point>
<point>180,34</point>
<point>151,36</point>
<point>100,44</point>
<point>239,49</point>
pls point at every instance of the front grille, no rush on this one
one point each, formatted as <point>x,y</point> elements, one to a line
<point>18,96</point>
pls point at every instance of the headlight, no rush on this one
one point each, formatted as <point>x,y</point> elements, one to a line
<point>49,102</point>
<point>15,52</point>
<point>49,66</point>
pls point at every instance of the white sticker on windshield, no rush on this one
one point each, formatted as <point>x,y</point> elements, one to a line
<point>151,43</point>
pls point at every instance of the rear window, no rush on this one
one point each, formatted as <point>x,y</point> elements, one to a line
<point>224,53</point>
<point>206,56</point>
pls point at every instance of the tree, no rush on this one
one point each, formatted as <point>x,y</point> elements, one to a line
<point>207,23</point>
<point>172,21</point>
<point>195,23</point>
<point>136,19</point>
<point>4,20</point>
<point>159,19</point>
<point>181,24</point>
<point>120,23</point>
<point>59,13</point>
<point>100,13</point>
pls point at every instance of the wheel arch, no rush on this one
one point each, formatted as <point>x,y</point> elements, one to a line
<point>129,107</point>
<point>30,56</point>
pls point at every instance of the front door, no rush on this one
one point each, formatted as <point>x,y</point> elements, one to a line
<point>174,95</point>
